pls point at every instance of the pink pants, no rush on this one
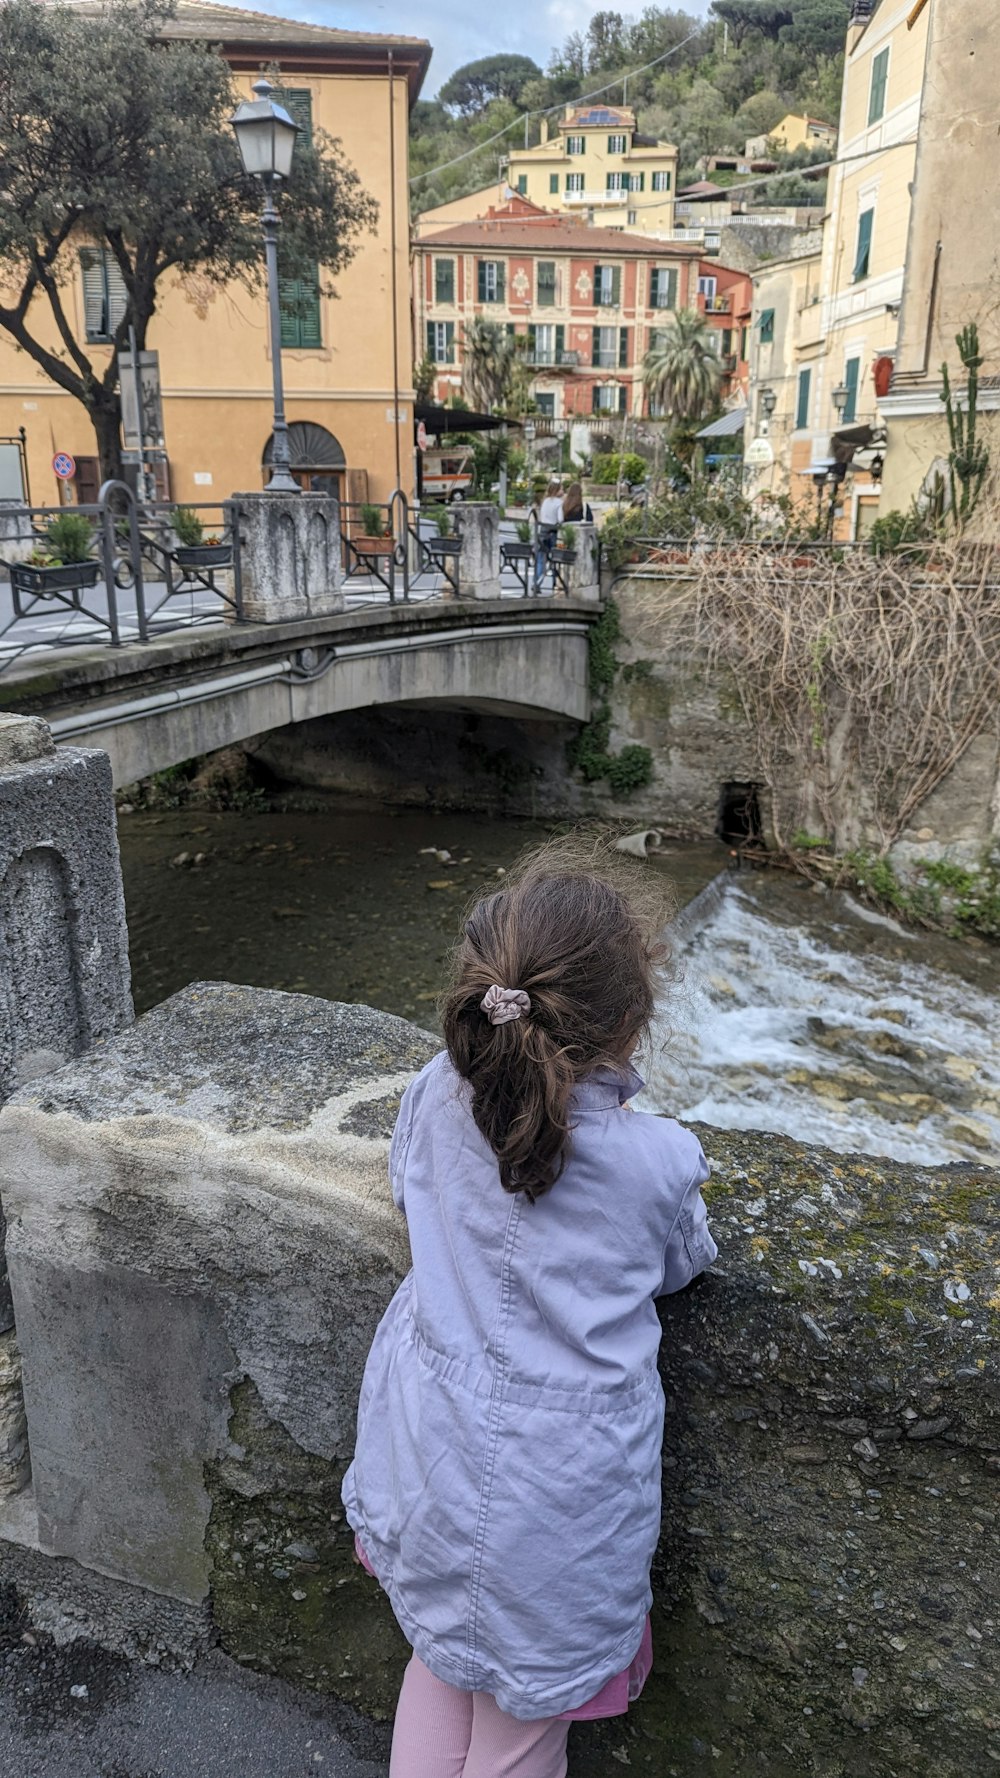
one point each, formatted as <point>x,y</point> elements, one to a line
<point>441,1732</point>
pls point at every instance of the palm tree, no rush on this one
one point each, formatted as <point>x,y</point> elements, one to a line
<point>487,363</point>
<point>682,372</point>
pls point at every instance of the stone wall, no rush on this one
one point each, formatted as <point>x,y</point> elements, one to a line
<point>201,1242</point>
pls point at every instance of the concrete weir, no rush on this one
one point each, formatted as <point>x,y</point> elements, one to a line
<point>201,1239</point>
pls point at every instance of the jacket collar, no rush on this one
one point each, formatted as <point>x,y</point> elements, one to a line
<point>607,1088</point>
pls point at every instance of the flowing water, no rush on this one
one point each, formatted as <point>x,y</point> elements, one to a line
<point>791,1011</point>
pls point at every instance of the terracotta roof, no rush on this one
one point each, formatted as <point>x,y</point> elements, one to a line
<point>563,236</point>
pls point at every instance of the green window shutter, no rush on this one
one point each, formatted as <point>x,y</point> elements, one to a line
<point>802,405</point>
<point>481,274</point>
<point>654,288</point>
<point>532,337</point>
<point>595,345</point>
<point>298,301</point>
<point>642,182</point>
<point>727,341</point>
<point>288,289</point>
<point>501,280</point>
<point>545,282</point>
<point>297,101</point>
<point>598,280</point>
<point>522,184</point>
<point>851,372</point>
<point>672,288</point>
<point>766,327</point>
<point>863,255</point>
<point>616,287</point>
<point>560,342</point>
<point>609,182</point>
<point>449,342</point>
<point>92,273</point>
<point>880,78</point>
<point>622,347</point>
<point>554,182</point>
<point>444,280</point>
<point>622,399</point>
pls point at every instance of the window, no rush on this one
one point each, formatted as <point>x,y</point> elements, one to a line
<point>633,217</point>
<point>547,343</point>
<point>576,144</point>
<point>607,286</point>
<point>766,327</point>
<point>545,403</point>
<point>104,295</point>
<point>545,283</point>
<point>707,288</point>
<point>863,253</point>
<point>574,182</point>
<point>727,342</point>
<point>663,288</point>
<point>880,80</point>
<point>609,398</point>
<point>802,403</point>
<point>444,280</point>
<point>852,370</point>
<point>298,300</point>
<point>617,182</point>
<point>610,347</point>
<point>617,144</point>
<point>522,184</point>
<point>661,181</point>
<point>553,182</point>
<point>491,280</point>
<point>743,342</point>
<point>441,341</point>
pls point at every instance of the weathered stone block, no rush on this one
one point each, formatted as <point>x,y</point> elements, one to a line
<point>582,576</point>
<point>291,555</point>
<point>479,558</point>
<point>203,1239</point>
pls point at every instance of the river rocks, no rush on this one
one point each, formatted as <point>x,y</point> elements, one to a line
<point>202,1240</point>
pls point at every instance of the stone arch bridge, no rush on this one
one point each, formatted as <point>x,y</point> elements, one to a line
<point>194,691</point>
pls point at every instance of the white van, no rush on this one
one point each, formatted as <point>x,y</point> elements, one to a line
<point>448,473</point>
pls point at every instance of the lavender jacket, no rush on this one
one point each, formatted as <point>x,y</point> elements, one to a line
<point>506,1482</point>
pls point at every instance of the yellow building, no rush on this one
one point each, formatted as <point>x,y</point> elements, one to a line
<point>865,248</point>
<point>598,166</point>
<point>953,267</point>
<point>794,131</point>
<point>785,350</point>
<point>348,363</point>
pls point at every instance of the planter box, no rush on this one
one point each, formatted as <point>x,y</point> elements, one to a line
<point>37,583</point>
<point>517,552</point>
<point>565,556</point>
<point>373,546</point>
<point>203,555</point>
<point>443,546</point>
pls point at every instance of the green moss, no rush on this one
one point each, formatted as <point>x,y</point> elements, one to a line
<point>588,752</point>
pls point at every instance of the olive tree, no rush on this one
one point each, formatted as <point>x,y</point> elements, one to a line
<point>115,136</point>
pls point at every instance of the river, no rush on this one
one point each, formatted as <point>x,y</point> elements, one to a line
<point>789,1010</point>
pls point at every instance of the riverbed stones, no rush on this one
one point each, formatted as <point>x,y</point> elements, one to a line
<point>203,1239</point>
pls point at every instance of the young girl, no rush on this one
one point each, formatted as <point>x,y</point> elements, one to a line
<point>506,1484</point>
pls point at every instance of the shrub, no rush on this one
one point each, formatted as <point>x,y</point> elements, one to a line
<point>372,519</point>
<point>188,527</point>
<point>523,529</point>
<point>607,468</point>
<point>567,536</point>
<point>69,537</point>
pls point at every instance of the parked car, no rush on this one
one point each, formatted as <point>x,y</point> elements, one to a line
<point>448,475</point>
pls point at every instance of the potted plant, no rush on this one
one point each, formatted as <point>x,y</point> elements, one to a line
<point>523,550</point>
<point>193,549</point>
<point>63,564</point>
<point>445,544</point>
<point>565,549</point>
<point>375,535</point>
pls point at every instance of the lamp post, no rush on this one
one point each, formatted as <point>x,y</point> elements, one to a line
<point>840,397</point>
<point>265,135</point>
<point>768,402</point>
<point>529,446</point>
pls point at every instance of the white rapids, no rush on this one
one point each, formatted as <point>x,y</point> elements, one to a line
<point>778,1024</point>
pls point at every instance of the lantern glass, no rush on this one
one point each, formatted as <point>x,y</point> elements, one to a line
<point>265,134</point>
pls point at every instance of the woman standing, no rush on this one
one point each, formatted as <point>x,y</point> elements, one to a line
<point>550,517</point>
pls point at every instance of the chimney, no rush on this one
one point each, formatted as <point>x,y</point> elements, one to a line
<point>543,130</point>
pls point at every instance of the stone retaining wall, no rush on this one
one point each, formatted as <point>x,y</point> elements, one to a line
<point>201,1240</point>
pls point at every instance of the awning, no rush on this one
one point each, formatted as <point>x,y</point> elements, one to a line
<point>440,420</point>
<point>849,439</point>
<point>727,426</point>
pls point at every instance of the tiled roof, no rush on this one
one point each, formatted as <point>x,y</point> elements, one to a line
<point>558,235</point>
<point>235,24</point>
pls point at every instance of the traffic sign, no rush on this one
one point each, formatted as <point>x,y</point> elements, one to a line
<point>64,466</point>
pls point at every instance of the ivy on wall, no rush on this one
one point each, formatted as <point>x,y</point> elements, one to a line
<point>589,754</point>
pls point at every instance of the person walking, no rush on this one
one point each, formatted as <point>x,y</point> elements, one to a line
<point>550,517</point>
<point>505,1488</point>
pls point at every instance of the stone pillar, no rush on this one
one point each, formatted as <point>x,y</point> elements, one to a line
<point>17,539</point>
<point>64,970</point>
<point>479,561</point>
<point>291,556</point>
<point>582,575</point>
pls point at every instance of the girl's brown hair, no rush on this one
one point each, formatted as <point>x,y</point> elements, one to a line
<point>573,501</point>
<point>577,928</point>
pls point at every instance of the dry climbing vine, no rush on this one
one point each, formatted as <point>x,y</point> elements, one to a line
<point>863,681</point>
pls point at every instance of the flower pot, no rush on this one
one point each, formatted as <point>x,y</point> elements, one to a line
<point>443,546</point>
<point>40,583</point>
<point>517,552</point>
<point>203,555</point>
<point>565,556</point>
<point>373,546</point>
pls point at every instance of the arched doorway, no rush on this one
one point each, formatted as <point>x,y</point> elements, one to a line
<point>318,462</point>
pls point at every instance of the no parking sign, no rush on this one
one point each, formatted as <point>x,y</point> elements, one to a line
<point>64,466</point>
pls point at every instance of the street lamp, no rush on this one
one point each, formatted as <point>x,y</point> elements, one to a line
<point>840,398</point>
<point>265,135</point>
<point>768,402</point>
<point>529,442</point>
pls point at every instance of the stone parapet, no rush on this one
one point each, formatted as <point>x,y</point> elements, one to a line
<point>290,556</point>
<point>202,1241</point>
<point>478,525</point>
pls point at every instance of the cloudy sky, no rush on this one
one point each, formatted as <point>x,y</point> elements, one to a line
<point>462,30</point>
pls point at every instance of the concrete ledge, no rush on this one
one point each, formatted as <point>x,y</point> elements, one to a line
<point>201,1240</point>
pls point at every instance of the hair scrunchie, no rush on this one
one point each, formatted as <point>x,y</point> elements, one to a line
<point>503,1004</point>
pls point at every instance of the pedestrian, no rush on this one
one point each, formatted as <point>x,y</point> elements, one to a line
<point>505,1488</point>
<point>550,517</point>
<point>575,509</point>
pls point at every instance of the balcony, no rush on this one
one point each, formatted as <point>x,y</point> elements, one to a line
<point>606,361</point>
<point>538,359</point>
<point>716,305</point>
<point>596,198</point>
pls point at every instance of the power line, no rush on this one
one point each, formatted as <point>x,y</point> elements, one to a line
<point>547,110</point>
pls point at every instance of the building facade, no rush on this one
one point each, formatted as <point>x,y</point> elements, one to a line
<point>785,347</point>
<point>583,303</point>
<point>794,131</point>
<point>599,167</point>
<point>347,359</point>
<point>725,299</point>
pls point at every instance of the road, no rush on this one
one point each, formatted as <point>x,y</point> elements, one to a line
<point>131,1721</point>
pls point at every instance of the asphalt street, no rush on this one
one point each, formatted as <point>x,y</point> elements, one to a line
<point>78,1712</point>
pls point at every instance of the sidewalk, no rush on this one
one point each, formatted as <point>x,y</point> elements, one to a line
<point>132,1721</point>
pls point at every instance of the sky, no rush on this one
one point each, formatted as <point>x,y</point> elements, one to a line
<point>463,30</point>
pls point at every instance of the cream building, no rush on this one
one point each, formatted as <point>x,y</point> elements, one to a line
<point>953,252</point>
<point>347,358</point>
<point>794,131</point>
<point>598,166</point>
<point>785,355</point>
